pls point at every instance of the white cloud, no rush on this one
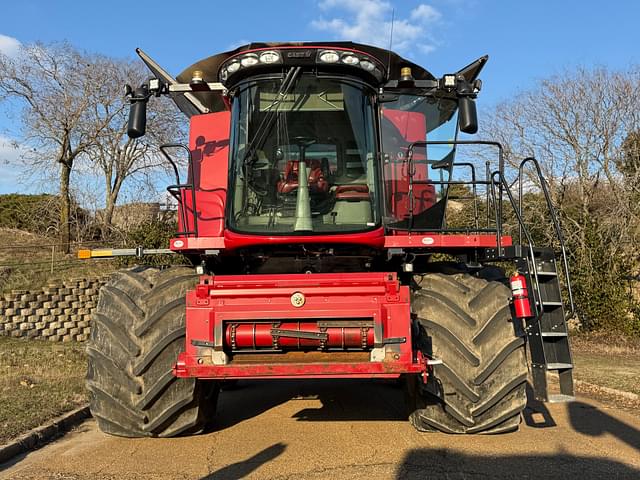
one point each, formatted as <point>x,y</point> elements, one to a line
<point>369,21</point>
<point>425,13</point>
<point>9,45</point>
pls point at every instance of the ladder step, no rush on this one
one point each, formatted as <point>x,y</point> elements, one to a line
<point>559,366</point>
<point>554,334</point>
<point>551,304</point>
<point>560,398</point>
<point>547,274</point>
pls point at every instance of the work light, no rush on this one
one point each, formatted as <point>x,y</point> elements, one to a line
<point>350,59</point>
<point>269,57</point>
<point>249,60</point>
<point>329,56</point>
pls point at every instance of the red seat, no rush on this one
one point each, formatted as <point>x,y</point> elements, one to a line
<point>352,193</point>
<point>316,181</point>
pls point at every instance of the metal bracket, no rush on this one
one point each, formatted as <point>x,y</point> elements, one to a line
<point>219,358</point>
<point>344,323</point>
<point>378,354</point>
<point>394,340</point>
<point>278,332</point>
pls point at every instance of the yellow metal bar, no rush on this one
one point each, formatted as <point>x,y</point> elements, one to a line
<point>85,254</point>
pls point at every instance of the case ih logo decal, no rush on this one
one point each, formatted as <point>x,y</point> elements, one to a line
<point>297,299</point>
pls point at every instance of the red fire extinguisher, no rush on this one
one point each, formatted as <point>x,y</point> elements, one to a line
<point>520,296</point>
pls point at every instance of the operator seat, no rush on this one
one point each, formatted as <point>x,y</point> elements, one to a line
<point>317,180</point>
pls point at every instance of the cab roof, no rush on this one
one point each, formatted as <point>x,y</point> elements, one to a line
<point>392,61</point>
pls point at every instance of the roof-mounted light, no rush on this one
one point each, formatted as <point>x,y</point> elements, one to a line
<point>233,67</point>
<point>350,58</point>
<point>270,56</point>
<point>449,81</point>
<point>197,77</point>
<point>367,65</point>
<point>249,60</point>
<point>329,56</point>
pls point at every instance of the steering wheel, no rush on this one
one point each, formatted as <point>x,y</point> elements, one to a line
<point>304,142</point>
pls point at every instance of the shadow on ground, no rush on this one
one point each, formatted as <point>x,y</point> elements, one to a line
<point>341,400</point>
<point>441,463</point>
<point>242,469</point>
<point>351,401</point>
<point>590,420</point>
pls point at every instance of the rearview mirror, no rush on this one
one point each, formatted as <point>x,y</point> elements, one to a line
<point>138,113</point>
<point>467,115</point>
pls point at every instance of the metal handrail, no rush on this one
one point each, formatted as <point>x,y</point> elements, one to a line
<point>425,143</point>
<point>177,189</point>
<point>539,309</point>
<point>554,219</point>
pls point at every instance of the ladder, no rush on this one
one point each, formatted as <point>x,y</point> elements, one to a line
<point>546,333</point>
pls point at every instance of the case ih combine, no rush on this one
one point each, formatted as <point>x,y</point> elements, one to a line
<point>313,212</point>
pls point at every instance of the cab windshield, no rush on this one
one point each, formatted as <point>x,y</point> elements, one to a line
<point>302,157</point>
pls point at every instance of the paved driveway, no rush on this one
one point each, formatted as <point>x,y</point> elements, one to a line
<point>352,430</point>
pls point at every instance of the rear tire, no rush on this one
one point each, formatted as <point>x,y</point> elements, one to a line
<point>465,321</point>
<point>138,330</point>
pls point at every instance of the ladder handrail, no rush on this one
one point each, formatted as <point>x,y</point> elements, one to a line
<point>554,219</point>
<point>538,307</point>
<point>180,187</point>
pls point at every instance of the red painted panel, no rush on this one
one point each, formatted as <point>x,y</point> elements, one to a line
<point>209,145</point>
<point>411,127</point>
<point>426,240</point>
<point>391,369</point>
<point>373,238</point>
<point>262,301</point>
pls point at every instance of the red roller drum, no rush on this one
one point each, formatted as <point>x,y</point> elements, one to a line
<point>240,336</point>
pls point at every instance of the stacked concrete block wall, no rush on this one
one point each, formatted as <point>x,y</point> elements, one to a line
<point>57,312</point>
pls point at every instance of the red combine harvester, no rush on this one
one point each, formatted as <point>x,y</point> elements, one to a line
<point>313,212</point>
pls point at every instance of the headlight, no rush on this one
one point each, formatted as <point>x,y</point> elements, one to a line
<point>269,57</point>
<point>367,65</point>
<point>329,56</point>
<point>350,59</point>
<point>224,74</point>
<point>233,67</point>
<point>249,60</point>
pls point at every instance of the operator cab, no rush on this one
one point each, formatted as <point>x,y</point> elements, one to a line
<point>323,139</point>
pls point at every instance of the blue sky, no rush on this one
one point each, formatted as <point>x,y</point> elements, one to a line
<point>526,41</point>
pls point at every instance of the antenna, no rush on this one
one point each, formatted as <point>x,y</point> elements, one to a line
<point>393,14</point>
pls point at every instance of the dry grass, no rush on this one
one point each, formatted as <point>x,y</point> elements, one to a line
<point>606,343</point>
<point>38,381</point>
<point>26,262</point>
<point>612,371</point>
<point>607,360</point>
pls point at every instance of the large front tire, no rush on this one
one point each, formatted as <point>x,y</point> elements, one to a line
<point>137,333</point>
<point>465,320</point>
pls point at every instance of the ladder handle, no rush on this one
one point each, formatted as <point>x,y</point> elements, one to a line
<point>554,219</point>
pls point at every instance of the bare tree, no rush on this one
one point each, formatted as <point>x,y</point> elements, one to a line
<point>580,126</point>
<point>55,85</point>
<point>119,157</point>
